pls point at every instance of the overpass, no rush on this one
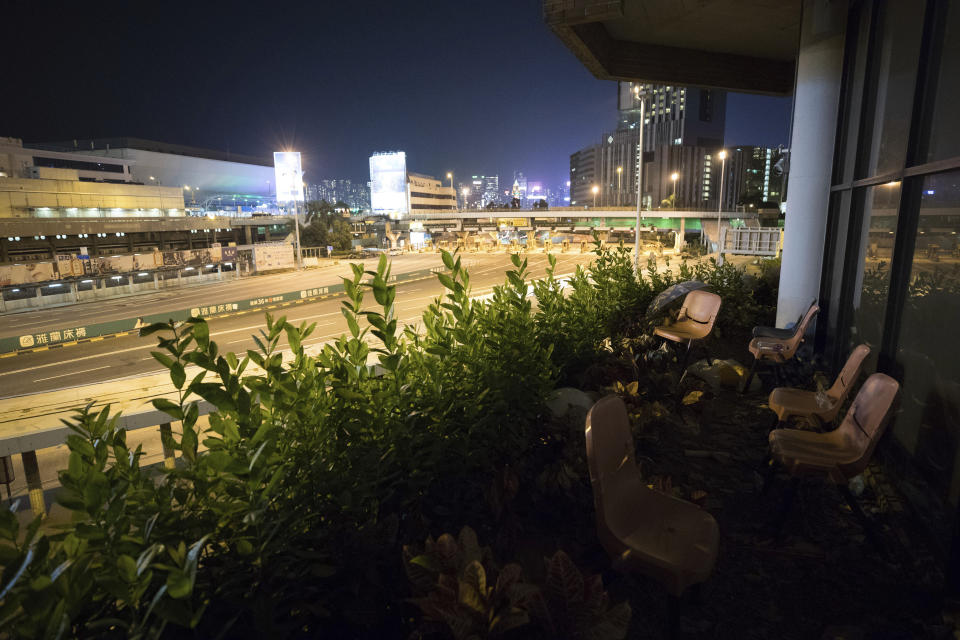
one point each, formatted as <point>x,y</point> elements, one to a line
<point>22,237</point>
<point>486,224</point>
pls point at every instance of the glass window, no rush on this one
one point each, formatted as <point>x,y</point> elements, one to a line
<point>856,62</point>
<point>928,347</point>
<point>873,278</point>
<point>945,134</point>
<point>894,59</point>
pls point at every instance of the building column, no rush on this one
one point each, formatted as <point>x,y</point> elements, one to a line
<point>394,237</point>
<point>531,240</point>
<point>3,250</point>
<point>681,235</point>
<point>815,107</point>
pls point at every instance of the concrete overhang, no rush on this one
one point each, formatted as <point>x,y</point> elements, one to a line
<point>740,45</point>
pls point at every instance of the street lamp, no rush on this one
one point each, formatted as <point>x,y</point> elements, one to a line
<point>639,95</point>
<point>595,189</point>
<point>450,177</point>
<point>466,192</point>
<point>619,183</point>
<point>674,177</point>
<point>723,166</point>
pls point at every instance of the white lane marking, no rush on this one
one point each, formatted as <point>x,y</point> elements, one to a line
<point>81,358</point>
<point>73,373</point>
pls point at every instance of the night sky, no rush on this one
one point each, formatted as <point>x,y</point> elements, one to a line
<point>472,86</point>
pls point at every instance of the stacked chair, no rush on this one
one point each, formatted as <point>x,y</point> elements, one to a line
<point>777,346</point>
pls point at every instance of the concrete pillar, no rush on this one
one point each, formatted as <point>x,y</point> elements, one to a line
<point>3,250</point>
<point>247,235</point>
<point>34,485</point>
<point>190,240</point>
<point>130,242</point>
<point>156,280</point>
<point>75,290</point>
<point>394,237</point>
<point>462,237</point>
<point>219,271</point>
<point>681,235</point>
<point>531,240</point>
<point>169,454</point>
<point>160,240</point>
<point>815,106</point>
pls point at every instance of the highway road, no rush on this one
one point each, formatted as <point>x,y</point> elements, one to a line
<point>195,295</point>
<point>127,356</point>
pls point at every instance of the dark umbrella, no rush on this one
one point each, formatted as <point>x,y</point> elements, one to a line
<point>670,294</point>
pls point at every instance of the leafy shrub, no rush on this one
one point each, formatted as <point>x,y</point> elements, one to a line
<point>284,515</point>
<point>454,592</point>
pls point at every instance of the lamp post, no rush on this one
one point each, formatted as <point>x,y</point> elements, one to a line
<point>466,192</point>
<point>639,95</point>
<point>674,177</point>
<point>450,177</point>
<point>595,189</point>
<point>723,172</point>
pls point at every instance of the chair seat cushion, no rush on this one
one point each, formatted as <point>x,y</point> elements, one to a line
<point>671,540</point>
<point>683,330</point>
<point>787,401</point>
<point>773,332</point>
<point>809,453</point>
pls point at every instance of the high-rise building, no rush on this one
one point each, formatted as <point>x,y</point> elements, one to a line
<point>673,115</point>
<point>755,176</point>
<point>682,130</point>
<point>491,190</point>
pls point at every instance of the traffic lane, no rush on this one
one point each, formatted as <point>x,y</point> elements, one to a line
<point>141,304</point>
<point>230,289</point>
<point>127,356</point>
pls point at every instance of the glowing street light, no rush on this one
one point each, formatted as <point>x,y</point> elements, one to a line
<point>723,165</point>
<point>619,183</point>
<point>674,177</point>
<point>450,177</point>
<point>466,192</point>
<point>595,190</point>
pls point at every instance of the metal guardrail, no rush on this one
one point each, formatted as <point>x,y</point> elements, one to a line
<point>54,433</point>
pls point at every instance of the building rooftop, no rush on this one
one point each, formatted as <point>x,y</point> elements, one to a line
<point>141,144</point>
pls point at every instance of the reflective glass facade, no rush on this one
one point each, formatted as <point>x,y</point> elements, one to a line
<point>891,274</point>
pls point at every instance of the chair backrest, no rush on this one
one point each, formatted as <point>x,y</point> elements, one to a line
<point>701,306</point>
<point>791,345</point>
<point>610,456</point>
<point>866,420</point>
<point>848,375</point>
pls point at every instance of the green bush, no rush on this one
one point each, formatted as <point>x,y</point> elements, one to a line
<point>285,515</point>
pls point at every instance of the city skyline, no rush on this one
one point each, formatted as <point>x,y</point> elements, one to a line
<point>389,89</point>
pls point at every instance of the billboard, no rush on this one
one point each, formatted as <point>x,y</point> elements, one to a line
<point>289,176</point>
<point>388,183</point>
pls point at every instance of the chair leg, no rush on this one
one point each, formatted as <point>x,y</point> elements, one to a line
<point>869,526</point>
<point>769,471</point>
<point>786,505</point>
<point>686,356</point>
<point>674,604</point>
<point>749,378</point>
